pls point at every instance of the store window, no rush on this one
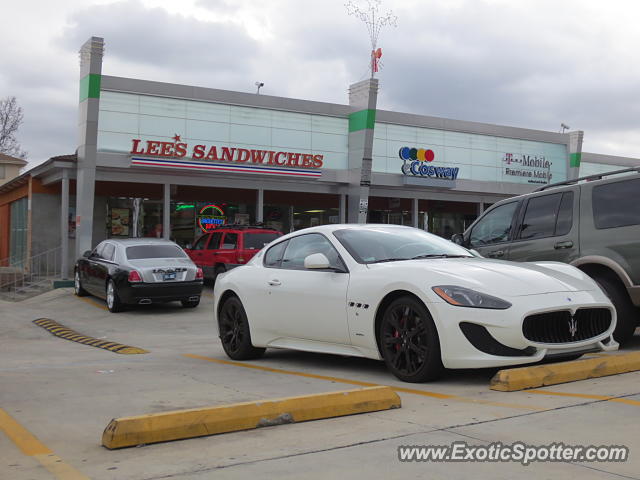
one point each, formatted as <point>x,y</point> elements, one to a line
<point>134,217</point>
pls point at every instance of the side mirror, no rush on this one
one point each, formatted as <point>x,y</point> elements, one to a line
<point>458,239</point>
<point>87,254</point>
<point>316,260</point>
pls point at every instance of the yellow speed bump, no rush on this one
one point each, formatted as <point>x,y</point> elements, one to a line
<point>198,422</point>
<point>521,378</point>
<point>59,330</point>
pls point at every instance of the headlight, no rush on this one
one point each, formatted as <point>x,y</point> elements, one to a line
<point>465,297</point>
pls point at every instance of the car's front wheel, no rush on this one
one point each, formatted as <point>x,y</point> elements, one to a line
<point>234,331</point>
<point>113,300</point>
<point>77,285</point>
<point>409,341</point>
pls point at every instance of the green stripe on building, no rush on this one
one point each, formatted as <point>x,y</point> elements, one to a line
<point>90,87</point>
<point>361,120</point>
<point>574,159</point>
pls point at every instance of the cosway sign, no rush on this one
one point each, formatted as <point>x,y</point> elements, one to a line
<point>416,162</point>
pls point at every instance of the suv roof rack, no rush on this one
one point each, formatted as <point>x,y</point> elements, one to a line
<point>597,176</point>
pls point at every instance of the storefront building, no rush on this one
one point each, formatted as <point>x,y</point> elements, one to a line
<point>174,161</point>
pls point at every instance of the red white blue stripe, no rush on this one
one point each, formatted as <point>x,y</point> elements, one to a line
<point>225,167</point>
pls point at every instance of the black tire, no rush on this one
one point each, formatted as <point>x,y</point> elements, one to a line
<point>626,311</point>
<point>77,285</point>
<point>234,331</point>
<point>217,271</point>
<point>113,302</point>
<point>190,303</point>
<point>409,341</point>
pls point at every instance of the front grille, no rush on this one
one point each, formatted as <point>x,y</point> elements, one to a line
<point>561,327</point>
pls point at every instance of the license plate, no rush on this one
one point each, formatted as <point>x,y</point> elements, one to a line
<point>168,276</point>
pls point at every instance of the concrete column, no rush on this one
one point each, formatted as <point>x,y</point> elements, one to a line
<point>415,212</point>
<point>363,98</point>
<point>90,75</point>
<point>575,154</point>
<point>342,209</point>
<point>260,205</point>
<point>480,208</point>
<point>166,212</point>
<point>64,225</point>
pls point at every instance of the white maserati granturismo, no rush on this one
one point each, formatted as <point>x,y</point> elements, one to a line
<point>415,300</point>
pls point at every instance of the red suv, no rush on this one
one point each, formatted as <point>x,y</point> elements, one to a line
<point>229,246</point>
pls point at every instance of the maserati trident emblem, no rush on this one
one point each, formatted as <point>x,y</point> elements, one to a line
<point>573,327</point>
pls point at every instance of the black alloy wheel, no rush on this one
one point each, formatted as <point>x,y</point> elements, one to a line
<point>234,331</point>
<point>409,341</point>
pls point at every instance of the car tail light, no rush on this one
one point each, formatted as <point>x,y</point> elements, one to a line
<point>199,274</point>
<point>134,276</point>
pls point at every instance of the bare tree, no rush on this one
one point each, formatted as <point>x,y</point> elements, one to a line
<point>10,121</point>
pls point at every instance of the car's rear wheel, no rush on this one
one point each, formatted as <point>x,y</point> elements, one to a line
<point>77,285</point>
<point>190,303</point>
<point>234,331</point>
<point>625,310</point>
<point>113,300</point>
<point>409,341</point>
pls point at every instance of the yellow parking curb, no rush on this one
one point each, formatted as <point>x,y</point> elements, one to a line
<point>521,378</point>
<point>198,422</point>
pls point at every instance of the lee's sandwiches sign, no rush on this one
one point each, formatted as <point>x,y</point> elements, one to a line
<point>179,155</point>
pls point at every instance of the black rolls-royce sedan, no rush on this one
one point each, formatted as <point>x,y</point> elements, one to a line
<point>138,271</point>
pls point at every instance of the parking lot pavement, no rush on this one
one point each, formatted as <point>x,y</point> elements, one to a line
<point>65,393</point>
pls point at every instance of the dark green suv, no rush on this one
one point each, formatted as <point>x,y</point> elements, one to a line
<point>592,223</point>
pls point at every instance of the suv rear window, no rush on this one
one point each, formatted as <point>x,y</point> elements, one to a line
<point>255,241</point>
<point>154,251</point>
<point>616,204</point>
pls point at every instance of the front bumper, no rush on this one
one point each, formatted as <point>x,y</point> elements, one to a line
<point>505,328</point>
<point>160,292</point>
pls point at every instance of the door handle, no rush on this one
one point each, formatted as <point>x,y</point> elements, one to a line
<point>274,282</point>
<point>496,253</point>
<point>561,245</point>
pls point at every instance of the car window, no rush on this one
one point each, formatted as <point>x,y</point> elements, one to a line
<point>230,241</point>
<point>214,243</point>
<point>138,252</point>
<point>199,245</point>
<point>565,214</point>
<point>255,241</point>
<point>616,204</point>
<point>108,251</point>
<point>97,252</point>
<point>302,246</point>
<point>540,217</point>
<point>494,227</point>
<point>274,255</point>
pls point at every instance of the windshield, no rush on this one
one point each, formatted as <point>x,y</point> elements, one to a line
<point>387,244</point>
<point>155,251</point>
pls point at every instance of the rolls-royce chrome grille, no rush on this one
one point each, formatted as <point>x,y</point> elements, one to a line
<point>562,327</point>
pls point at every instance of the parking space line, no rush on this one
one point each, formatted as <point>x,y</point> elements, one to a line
<point>587,396</point>
<point>32,447</point>
<point>91,301</point>
<point>424,393</point>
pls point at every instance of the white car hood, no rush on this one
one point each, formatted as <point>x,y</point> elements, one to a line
<point>495,277</point>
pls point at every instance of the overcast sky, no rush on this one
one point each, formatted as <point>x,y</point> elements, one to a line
<point>525,63</point>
